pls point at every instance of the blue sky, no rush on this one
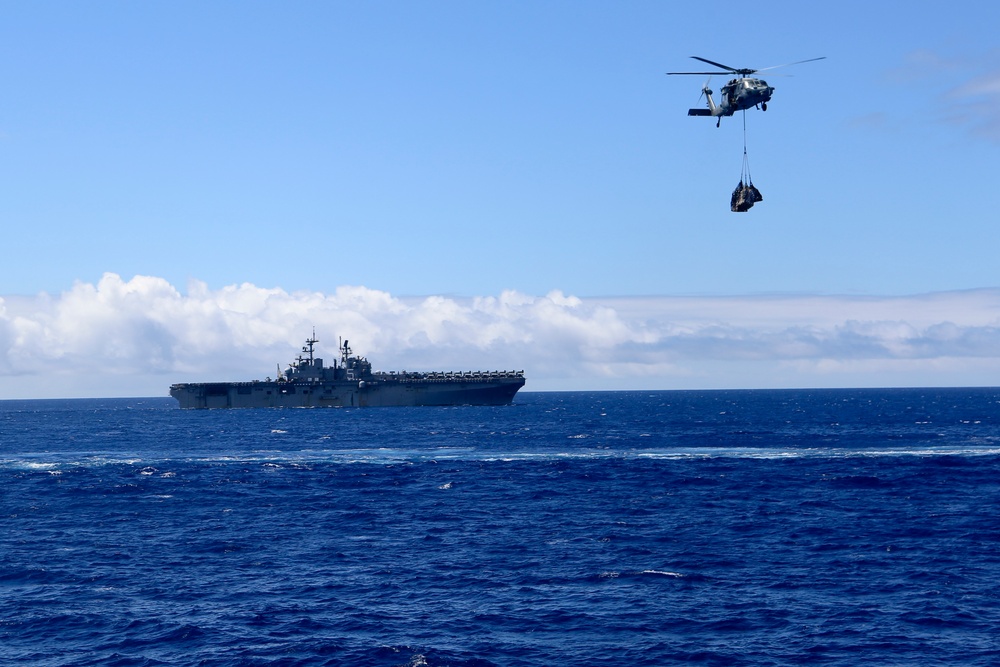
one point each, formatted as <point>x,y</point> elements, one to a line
<point>439,154</point>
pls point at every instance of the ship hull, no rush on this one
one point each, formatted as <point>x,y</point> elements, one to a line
<point>346,393</point>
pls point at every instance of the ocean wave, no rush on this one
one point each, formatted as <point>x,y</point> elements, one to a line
<point>383,456</point>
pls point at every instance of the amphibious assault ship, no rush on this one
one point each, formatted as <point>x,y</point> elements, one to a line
<point>307,383</point>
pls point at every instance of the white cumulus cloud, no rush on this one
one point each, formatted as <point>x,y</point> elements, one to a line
<point>134,337</point>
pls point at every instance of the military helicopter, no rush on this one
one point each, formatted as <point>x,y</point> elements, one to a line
<point>740,94</point>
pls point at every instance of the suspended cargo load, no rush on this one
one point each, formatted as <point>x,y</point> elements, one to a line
<point>744,197</point>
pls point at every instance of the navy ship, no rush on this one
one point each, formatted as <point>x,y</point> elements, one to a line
<point>307,383</point>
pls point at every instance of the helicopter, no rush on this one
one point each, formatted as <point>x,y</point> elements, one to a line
<point>740,94</point>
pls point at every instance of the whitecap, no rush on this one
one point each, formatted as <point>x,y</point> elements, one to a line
<point>33,465</point>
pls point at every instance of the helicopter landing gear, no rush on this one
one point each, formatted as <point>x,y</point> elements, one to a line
<point>718,121</point>
<point>764,106</point>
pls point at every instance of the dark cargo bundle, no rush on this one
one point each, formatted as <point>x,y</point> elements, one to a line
<point>744,197</point>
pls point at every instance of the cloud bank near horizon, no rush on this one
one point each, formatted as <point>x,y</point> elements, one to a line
<point>134,337</point>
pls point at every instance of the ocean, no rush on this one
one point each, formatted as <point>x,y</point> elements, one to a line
<point>758,528</point>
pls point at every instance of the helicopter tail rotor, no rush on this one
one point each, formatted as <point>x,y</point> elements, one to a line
<point>709,108</point>
<point>705,90</point>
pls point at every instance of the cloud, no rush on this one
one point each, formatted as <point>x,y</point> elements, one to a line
<point>963,91</point>
<point>975,104</point>
<point>135,337</point>
<point>921,65</point>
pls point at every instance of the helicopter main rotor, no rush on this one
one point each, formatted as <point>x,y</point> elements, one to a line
<point>744,71</point>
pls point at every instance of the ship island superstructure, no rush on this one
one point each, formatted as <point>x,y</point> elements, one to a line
<point>351,383</point>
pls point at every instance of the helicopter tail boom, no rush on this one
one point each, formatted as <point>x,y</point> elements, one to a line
<point>710,109</point>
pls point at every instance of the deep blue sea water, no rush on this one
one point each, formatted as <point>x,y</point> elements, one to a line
<point>828,527</point>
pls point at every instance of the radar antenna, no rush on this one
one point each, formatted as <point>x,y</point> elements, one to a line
<point>310,344</point>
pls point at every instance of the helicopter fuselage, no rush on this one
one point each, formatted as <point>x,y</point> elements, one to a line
<point>744,93</point>
<point>737,95</point>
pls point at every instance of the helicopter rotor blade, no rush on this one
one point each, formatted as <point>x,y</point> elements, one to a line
<point>742,71</point>
<point>797,62</point>
<point>712,62</point>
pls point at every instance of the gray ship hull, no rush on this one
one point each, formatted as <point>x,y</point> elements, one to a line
<point>308,383</point>
<point>496,390</point>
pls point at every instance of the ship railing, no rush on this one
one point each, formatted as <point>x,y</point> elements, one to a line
<point>446,376</point>
<point>242,383</point>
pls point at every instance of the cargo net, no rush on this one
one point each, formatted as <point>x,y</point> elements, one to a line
<point>746,194</point>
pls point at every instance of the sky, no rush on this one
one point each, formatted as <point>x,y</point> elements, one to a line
<point>189,188</point>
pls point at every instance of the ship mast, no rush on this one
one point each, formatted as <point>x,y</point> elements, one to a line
<point>310,343</point>
<point>345,351</point>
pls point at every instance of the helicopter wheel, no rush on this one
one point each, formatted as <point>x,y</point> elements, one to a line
<point>764,106</point>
